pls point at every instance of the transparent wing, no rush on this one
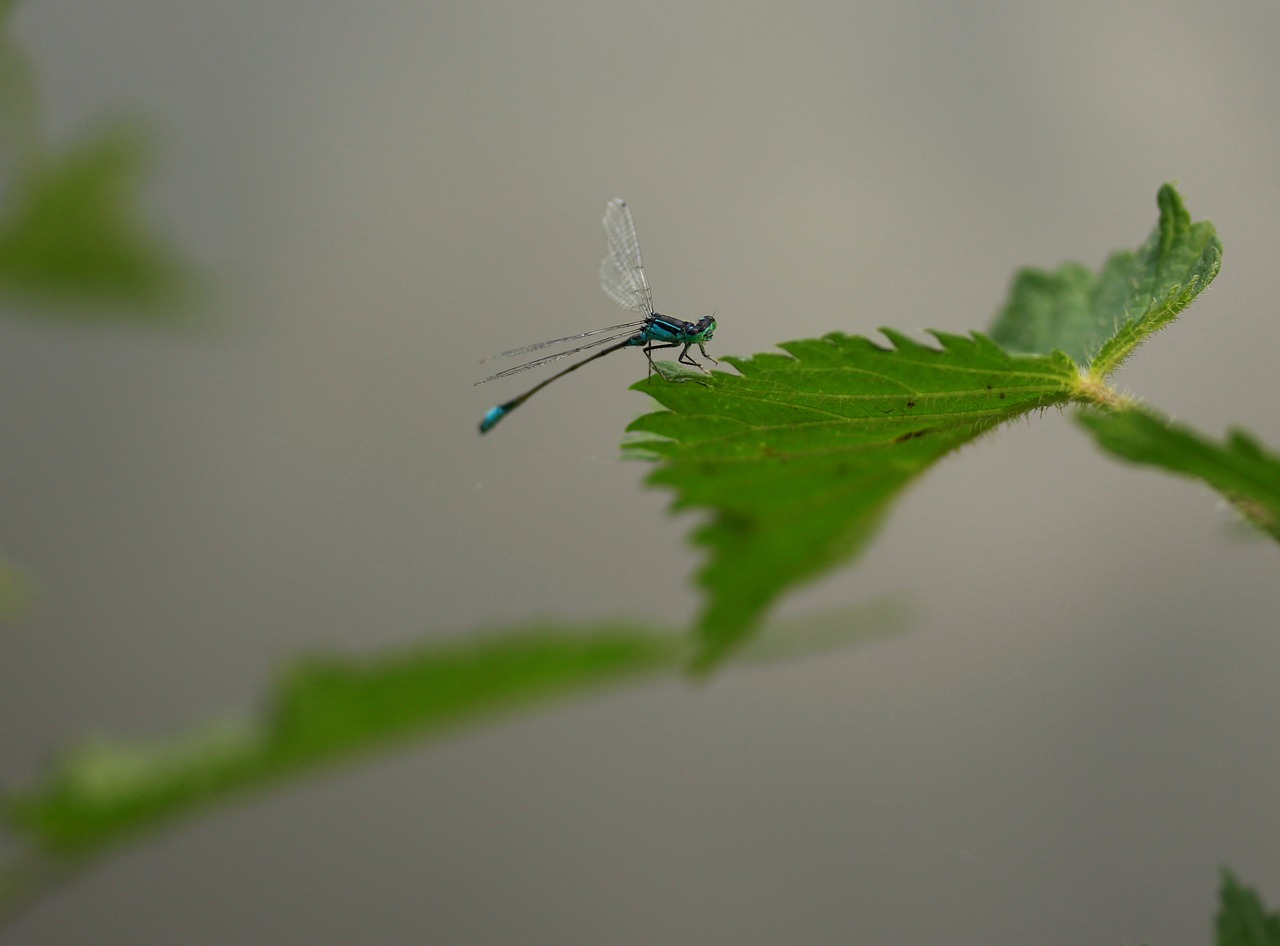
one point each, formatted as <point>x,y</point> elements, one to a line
<point>539,362</point>
<point>621,272</point>
<point>538,346</point>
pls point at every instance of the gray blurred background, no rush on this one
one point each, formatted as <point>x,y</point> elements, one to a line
<point>1080,728</point>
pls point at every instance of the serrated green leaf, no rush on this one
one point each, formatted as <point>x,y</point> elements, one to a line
<point>798,458</point>
<point>1242,919</point>
<point>1099,320</point>
<point>1240,469</point>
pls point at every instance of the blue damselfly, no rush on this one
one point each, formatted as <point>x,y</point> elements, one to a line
<point>623,280</point>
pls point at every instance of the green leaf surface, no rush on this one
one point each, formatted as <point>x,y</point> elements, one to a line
<point>1099,319</point>
<point>798,458</point>
<point>1242,919</point>
<point>1240,469</point>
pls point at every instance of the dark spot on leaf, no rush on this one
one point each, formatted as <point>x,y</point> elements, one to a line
<point>736,522</point>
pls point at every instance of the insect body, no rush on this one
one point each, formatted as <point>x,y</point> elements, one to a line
<point>623,280</point>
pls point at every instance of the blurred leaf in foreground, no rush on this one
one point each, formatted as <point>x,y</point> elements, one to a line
<point>1242,919</point>
<point>325,708</point>
<point>1239,469</point>
<point>332,709</point>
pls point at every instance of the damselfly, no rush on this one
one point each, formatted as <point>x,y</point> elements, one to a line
<point>623,280</point>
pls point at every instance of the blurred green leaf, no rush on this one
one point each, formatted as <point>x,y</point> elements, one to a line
<point>1099,319</point>
<point>798,458</point>
<point>71,233</point>
<point>1242,919</point>
<point>326,708</point>
<point>1240,469</point>
<point>332,709</point>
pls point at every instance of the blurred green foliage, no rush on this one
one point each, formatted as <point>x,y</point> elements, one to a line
<point>1242,919</point>
<point>73,239</point>
<point>331,709</point>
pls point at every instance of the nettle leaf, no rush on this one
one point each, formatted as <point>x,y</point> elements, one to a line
<point>798,459</point>
<point>1239,469</point>
<point>1099,319</point>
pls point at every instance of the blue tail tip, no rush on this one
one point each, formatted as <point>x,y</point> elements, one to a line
<point>491,419</point>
